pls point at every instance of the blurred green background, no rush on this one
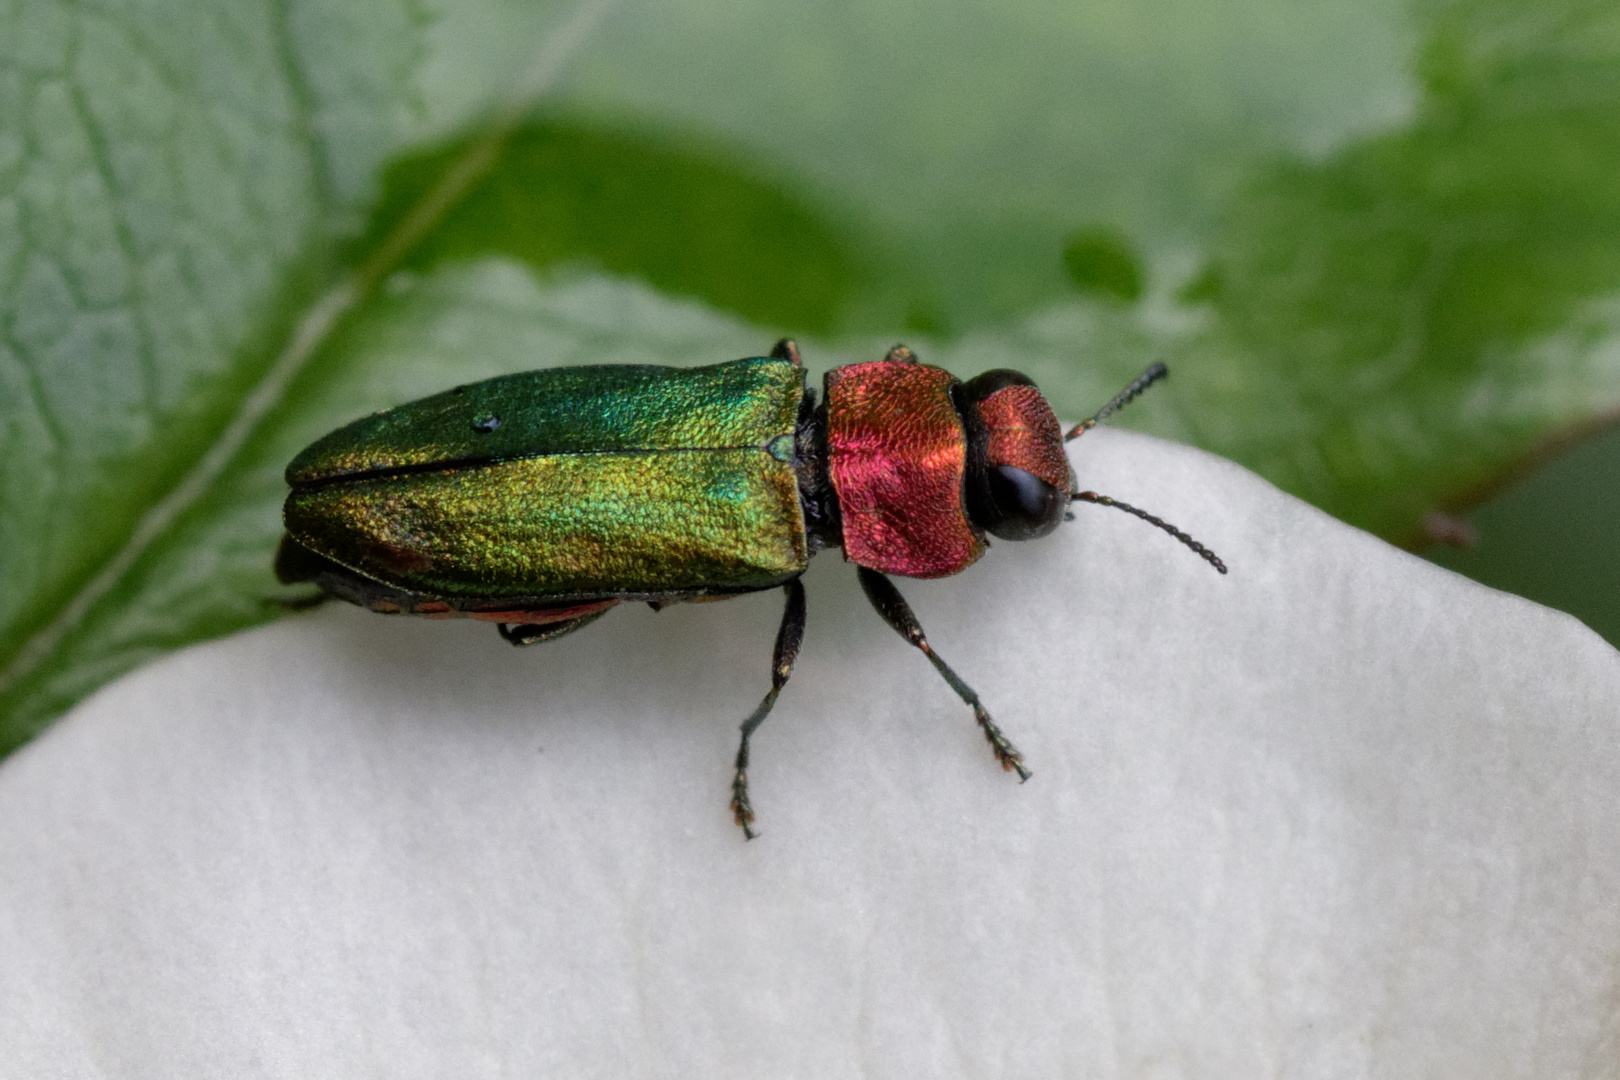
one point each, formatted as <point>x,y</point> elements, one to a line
<point>1378,242</point>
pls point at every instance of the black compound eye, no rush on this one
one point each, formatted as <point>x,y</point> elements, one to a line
<point>1020,505</point>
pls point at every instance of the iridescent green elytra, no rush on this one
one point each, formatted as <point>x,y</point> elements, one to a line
<point>567,483</point>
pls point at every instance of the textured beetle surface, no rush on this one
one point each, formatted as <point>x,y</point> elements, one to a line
<point>612,480</point>
<point>540,500</point>
<point>898,453</point>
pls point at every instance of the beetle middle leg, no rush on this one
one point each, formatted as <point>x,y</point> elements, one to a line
<point>788,639</point>
<point>898,614</point>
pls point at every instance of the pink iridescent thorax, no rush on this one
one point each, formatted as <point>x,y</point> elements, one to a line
<point>1024,432</point>
<point>897,454</point>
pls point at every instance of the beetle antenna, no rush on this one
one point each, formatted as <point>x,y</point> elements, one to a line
<point>1153,374</point>
<point>1158,523</point>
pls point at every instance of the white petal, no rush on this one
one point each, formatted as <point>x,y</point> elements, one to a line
<point>1338,813</point>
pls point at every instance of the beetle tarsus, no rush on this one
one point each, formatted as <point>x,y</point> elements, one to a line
<point>742,811</point>
<point>1006,753</point>
<point>789,636</point>
<point>898,614</point>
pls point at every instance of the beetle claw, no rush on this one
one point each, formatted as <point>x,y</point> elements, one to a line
<point>741,810</point>
<point>1006,753</point>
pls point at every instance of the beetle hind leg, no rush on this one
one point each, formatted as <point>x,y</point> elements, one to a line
<point>898,614</point>
<point>788,639</point>
<point>535,633</point>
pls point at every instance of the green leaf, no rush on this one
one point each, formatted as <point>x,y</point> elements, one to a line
<point>166,181</point>
<point>1554,537</point>
<point>1099,261</point>
<point>970,141</point>
<point>1408,318</point>
<point>681,219</point>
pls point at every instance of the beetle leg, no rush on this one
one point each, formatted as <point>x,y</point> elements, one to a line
<point>533,634</point>
<point>897,613</point>
<point>788,639</point>
<point>298,603</point>
<point>787,349</point>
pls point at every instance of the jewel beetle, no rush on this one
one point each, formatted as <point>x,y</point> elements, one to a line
<point>539,500</point>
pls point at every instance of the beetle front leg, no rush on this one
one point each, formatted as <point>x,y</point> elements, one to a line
<point>898,614</point>
<point>788,638</point>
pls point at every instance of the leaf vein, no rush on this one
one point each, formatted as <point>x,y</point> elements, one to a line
<point>132,285</point>
<point>302,97</point>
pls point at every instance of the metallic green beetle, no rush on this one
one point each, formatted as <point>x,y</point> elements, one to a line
<point>537,501</point>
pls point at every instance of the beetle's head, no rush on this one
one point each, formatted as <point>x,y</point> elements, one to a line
<point>1019,482</point>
